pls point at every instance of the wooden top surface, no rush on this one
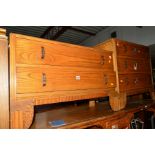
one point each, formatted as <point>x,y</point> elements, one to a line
<point>116,39</point>
<point>83,113</point>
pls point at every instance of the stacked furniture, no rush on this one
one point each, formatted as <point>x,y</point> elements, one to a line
<point>132,66</point>
<point>46,72</point>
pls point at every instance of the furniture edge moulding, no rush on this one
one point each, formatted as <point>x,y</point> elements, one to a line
<point>4,81</point>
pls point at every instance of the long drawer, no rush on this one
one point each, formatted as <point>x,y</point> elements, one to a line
<point>131,50</point>
<point>60,54</point>
<point>126,65</point>
<point>134,81</point>
<point>57,78</point>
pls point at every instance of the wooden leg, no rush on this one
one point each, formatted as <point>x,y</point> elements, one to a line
<point>92,103</point>
<point>117,101</point>
<point>21,115</point>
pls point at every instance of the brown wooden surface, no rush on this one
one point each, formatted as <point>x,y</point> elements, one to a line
<point>29,52</point>
<point>29,79</point>
<point>50,72</point>
<point>4,88</point>
<point>132,66</point>
<point>130,59</point>
<point>83,116</point>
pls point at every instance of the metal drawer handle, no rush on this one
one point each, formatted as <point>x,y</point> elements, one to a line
<point>42,52</point>
<point>135,66</point>
<point>44,80</point>
<point>102,60</point>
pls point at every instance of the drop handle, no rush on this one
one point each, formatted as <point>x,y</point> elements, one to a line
<point>44,80</point>
<point>42,52</point>
<point>135,66</point>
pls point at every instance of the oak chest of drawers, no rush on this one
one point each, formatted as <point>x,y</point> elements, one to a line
<point>45,72</point>
<point>132,65</point>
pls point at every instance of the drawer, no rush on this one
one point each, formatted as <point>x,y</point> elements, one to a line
<point>59,54</point>
<point>126,65</point>
<point>134,81</point>
<point>140,51</point>
<point>141,81</point>
<point>137,82</point>
<point>131,50</point>
<point>56,78</point>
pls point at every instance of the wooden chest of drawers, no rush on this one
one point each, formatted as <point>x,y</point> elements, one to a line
<point>45,72</point>
<point>132,65</point>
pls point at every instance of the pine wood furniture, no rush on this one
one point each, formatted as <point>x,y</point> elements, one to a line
<point>133,69</point>
<point>4,86</point>
<point>45,72</point>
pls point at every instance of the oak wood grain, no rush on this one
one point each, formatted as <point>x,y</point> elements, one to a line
<point>4,84</point>
<point>49,72</point>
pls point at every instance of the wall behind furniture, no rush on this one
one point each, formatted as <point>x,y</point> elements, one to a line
<point>144,36</point>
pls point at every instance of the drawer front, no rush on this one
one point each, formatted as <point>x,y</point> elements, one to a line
<point>57,54</point>
<point>135,81</point>
<point>48,79</point>
<point>131,50</point>
<point>138,51</point>
<point>126,65</point>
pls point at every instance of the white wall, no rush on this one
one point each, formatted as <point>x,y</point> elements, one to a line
<point>145,35</point>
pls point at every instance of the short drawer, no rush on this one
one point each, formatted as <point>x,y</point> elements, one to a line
<point>59,54</point>
<point>126,65</point>
<point>134,81</point>
<point>138,51</point>
<point>55,78</point>
<point>131,50</point>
